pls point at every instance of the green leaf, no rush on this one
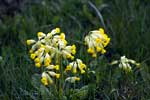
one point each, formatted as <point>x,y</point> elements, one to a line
<point>45,93</point>
<point>81,93</point>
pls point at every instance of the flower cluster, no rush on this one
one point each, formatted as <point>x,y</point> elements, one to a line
<point>124,63</point>
<point>76,64</point>
<point>49,50</point>
<point>50,46</point>
<point>96,41</point>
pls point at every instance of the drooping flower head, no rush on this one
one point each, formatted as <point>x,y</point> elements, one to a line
<point>96,41</point>
<point>125,63</point>
<point>73,66</point>
<point>48,50</point>
<point>49,46</point>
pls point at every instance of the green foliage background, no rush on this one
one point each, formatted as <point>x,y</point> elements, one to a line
<point>127,22</point>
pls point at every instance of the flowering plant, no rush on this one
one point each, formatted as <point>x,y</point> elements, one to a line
<point>58,64</point>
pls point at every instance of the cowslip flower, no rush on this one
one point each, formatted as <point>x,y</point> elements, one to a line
<point>96,41</point>
<point>29,42</point>
<point>71,49</point>
<point>72,79</point>
<point>41,35</point>
<point>49,46</point>
<point>125,63</point>
<point>53,74</point>
<point>49,74</point>
<point>73,66</point>
<point>50,67</point>
<point>46,79</point>
<point>47,60</point>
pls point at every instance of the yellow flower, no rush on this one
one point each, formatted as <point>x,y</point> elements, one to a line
<point>98,49</point>
<point>50,67</point>
<point>68,55</point>
<point>62,36</point>
<point>82,71</point>
<point>103,51</point>
<point>98,40</point>
<point>74,70</point>
<point>47,60</point>
<point>77,78</point>
<point>42,46</point>
<point>39,54</point>
<point>72,57</point>
<point>73,47</point>
<point>38,65</point>
<point>37,60</point>
<point>46,64</point>
<point>82,65</point>
<point>90,50</point>
<point>44,81</point>
<point>72,79</point>
<point>107,41</point>
<point>65,42</point>
<point>53,74</point>
<point>73,52</point>
<point>29,42</point>
<point>41,35</point>
<point>57,75</point>
<point>32,56</point>
<point>69,67</point>
<point>57,67</point>
<point>57,30</point>
<point>101,30</point>
<point>61,44</point>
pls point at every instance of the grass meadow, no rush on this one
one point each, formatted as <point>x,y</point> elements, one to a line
<point>126,22</point>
